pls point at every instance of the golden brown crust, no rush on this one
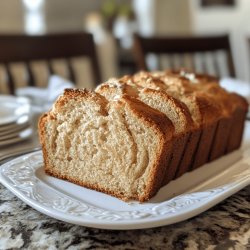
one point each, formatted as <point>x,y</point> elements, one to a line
<point>179,107</point>
<point>210,111</point>
<point>78,95</point>
<point>41,129</point>
<point>90,186</point>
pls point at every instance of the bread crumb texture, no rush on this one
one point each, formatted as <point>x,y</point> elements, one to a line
<point>108,146</point>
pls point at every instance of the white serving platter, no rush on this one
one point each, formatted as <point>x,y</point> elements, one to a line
<point>12,108</point>
<point>16,137</point>
<point>193,193</point>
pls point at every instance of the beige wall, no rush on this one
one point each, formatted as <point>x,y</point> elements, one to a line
<point>172,17</point>
<point>235,21</point>
<point>65,15</point>
<point>11,16</point>
<point>60,15</point>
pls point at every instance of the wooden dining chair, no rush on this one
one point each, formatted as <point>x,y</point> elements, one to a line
<point>25,49</point>
<point>195,53</point>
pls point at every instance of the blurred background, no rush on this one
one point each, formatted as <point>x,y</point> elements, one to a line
<point>113,23</point>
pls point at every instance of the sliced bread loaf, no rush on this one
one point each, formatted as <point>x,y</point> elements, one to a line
<point>137,133</point>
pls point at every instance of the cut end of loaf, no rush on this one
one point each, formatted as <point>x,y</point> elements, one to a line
<point>113,147</point>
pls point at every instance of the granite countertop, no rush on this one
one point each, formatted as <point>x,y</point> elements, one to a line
<point>225,226</point>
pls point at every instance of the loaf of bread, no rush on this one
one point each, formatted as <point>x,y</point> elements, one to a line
<point>133,135</point>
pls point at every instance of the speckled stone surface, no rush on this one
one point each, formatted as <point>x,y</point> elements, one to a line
<point>225,226</point>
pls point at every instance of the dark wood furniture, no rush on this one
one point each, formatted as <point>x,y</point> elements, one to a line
<point>184,46</point>
<point>213,3</point>
<point>24,48</point>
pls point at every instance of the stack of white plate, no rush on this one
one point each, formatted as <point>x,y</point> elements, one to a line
<point>15,124</point>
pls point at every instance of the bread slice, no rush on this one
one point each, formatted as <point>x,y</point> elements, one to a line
<point>118,147</point>
<point>176,111</point>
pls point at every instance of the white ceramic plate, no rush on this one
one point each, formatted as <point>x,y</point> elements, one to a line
<point>181,199</point>
<point>21,122</point>
<point>13,132</point>
<point>12,108</point>
<point>17,137</point>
